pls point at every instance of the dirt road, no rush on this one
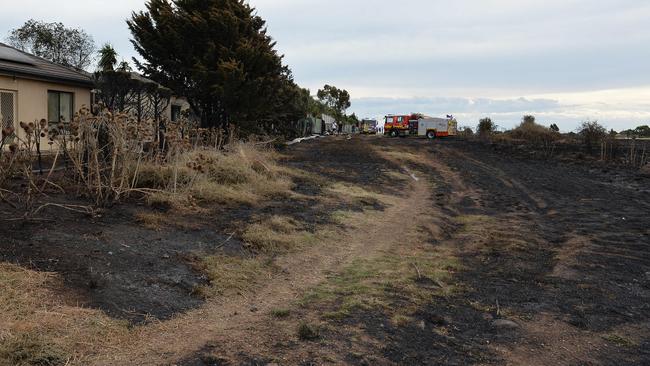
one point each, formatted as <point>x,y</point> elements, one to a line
<point>421,253</point>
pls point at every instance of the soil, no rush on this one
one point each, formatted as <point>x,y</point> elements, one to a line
<point>559,273</point>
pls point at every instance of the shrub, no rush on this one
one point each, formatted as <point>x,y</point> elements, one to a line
<point>486,127</point>
<point>591,134</point>
<point>533,133</point>
<point>308,332</point>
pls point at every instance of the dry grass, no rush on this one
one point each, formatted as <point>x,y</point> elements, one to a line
<point>242,173</point>
<point>36,328</point>
<point>228,275</point>
<point>276,235</point>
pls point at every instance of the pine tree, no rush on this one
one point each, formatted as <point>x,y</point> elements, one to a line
<point>216,53</point>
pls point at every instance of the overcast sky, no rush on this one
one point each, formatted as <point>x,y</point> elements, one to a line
<point>563,60</point>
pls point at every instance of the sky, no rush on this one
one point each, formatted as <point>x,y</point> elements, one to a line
<point>564,61</point>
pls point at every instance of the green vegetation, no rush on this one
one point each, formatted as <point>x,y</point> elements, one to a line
<point>234,75</point>
<point>54,42</point>
<point>374,284</point>
<point>308,332</point>
<point>280,313</point>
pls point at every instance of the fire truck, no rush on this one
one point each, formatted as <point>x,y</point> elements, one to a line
<point>419,125</point>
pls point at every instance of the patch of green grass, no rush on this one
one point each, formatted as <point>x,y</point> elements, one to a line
<point>280,313</point>
<point>369,284</point>
<point>619,340</point>
<point>308,332</point>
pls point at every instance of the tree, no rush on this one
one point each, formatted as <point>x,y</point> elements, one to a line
<point>217,54</point>
<point>54,42</point>
<point>485,127</point>
<point>338,100</point>
<point>592,134</point>
<point>528,119</point>
<point>107,58</point>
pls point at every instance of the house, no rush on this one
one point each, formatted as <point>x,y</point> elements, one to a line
<point>32,88</point>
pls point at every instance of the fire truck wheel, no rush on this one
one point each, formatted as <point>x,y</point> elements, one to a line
<point>394,133</point>
<point>431,134</point>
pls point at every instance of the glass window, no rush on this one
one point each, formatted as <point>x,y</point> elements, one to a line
<point>176,113</point>
<point>389,119</point>
<point>400,119</point>
<point>7,109</point>
<point>59,106</point>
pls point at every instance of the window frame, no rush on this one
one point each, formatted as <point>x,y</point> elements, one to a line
<point>58,118</point>
<point>171,112</point>
<point>14,103</point>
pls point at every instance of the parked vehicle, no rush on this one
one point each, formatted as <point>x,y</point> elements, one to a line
<point>395,126</point>
<point>368,126</point>
<point>437,127</point>
<point>418,125</point>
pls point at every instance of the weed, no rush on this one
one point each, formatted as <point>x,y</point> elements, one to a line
<point>618,340</point>
<point>280,313</point>
<point>308,332</point>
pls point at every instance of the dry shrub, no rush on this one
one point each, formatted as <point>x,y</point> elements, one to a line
<point>535,134</point>
<point>241,173</point>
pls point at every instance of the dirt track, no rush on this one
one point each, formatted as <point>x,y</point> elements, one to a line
<point>553,266</point>
<point>555,257</point>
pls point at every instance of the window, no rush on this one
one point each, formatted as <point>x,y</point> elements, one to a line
<point>8,109</point>
<point>400,119</point>
<point>389,119</point>
<point>59,106</point>
<point>176,113</point>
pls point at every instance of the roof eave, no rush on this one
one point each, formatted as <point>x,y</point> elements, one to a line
<point>70,82</point>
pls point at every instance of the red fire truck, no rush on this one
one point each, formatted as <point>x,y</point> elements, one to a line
<point>400,125</point>
<point>419,125</point>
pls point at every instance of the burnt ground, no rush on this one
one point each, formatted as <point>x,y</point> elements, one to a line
<point>114,263</point>
<point>560,289</point>
<point>559,272</point>
<point>564,252</point>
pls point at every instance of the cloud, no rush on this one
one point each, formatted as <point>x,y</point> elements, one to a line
<point>434,55</point>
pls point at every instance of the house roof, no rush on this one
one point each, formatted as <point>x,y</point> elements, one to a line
<point>14,62</point>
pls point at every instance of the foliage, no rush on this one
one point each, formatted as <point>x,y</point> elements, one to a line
<point>127,92</point>
<point>592,134</point>
<point>535,134</point>
<point>528,119</point>
<point>337,100</point>
<point>107,58</point>
<point>54,42</point>
<point>217,54</point>
<point>486,127</point>
<point>466,132</point>
<point>640,131</point>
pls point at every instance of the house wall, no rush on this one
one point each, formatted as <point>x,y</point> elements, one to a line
<point>31,97</point>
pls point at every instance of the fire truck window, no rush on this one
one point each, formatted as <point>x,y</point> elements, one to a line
<point>389,119</point>
<point>399,119</point>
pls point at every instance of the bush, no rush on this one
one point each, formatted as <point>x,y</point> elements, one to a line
<point>533,133</point>
<point>307,332</point>
<point>466,132</point>
<point>592,134</point>
<point>486,127</point>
